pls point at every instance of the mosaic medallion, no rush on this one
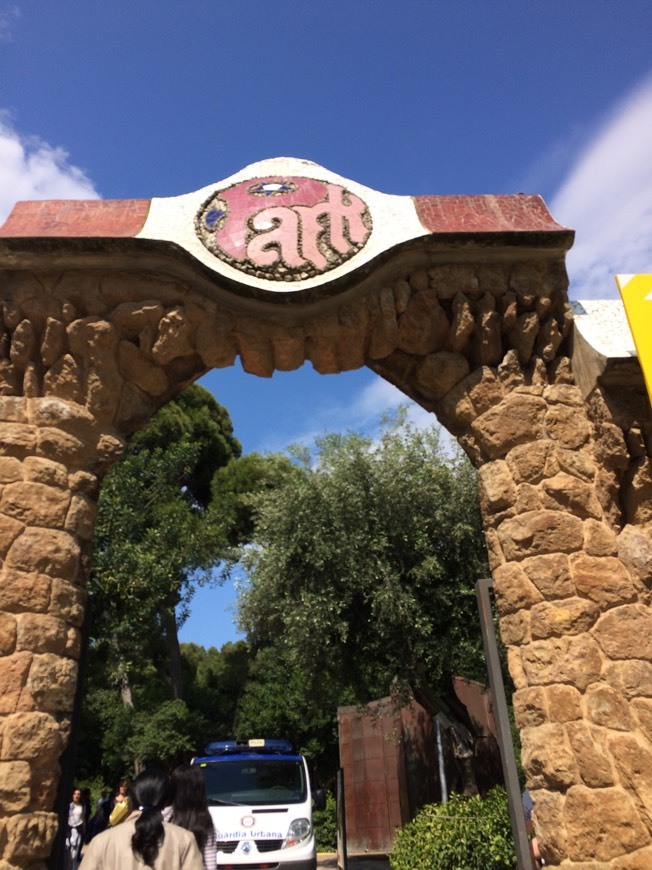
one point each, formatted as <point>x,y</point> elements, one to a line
<point>284,228</point>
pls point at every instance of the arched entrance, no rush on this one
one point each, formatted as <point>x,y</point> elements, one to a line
<point>110,308</point>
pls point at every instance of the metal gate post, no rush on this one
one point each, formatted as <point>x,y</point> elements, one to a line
<point>505,743</point>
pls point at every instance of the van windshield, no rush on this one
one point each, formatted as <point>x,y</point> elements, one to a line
<point>249,781</point>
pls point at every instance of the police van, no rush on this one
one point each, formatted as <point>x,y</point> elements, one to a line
<point>260,800</point>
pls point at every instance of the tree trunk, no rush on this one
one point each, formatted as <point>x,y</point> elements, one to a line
<point>174,655</point>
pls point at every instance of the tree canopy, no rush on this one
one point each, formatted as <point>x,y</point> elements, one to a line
<point>363,564</point>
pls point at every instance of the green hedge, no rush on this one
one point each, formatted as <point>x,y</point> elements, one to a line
<point>462,834</point>
<point>325,822</point>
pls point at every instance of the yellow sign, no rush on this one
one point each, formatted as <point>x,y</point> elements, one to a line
<point>636,291</point>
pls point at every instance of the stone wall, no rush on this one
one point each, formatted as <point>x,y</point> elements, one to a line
<point>483,343</point>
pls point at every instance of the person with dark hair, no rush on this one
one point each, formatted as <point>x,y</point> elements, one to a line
<point>76,825</point>
<point>121,804</point>
<point>189,810</point>
<point>144,839</point>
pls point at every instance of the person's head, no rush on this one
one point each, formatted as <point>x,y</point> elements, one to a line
<point>123,787</point>
<point>76,795</point>
<point>189,804</point>
<point>151,792</point>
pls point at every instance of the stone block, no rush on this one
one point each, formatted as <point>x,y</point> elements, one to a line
<point>62,446</point>
<point>592,754</point>
<point>13,409</point>
<point>548,817</point>
<point>40,633</point>
<point>607,707</point>
<point>7,633</point>
<point>35,504</point>
<point>527,499</point>
<point>53,344</point>
<point>65,380</point>
<point>568,493</point>
<point>642,709</point>
<point>39,470</point>
<point>20,591</point>
<point>11,469</point>
<point>626,632</point>
<point>548,761</point>
<point>174,336</point>
<point>10,529</point>
<point>439,373</point>
<point>14,696</point>
<point>136,367</point>
<point>30,737</point>
<point>30,837</point>
<point>602,824</point>
<point>80,520</point>
<point>564,394</point>
<point>572,660</point>
<point>633,760</point>
<point>497,489</point>
<point>518,419</point>
<point>527,462</point>
<point>513,588</point>
<point>52,681</point>
<point>463,325</point>
<point>562,618</point>
<point>423,327</point>
<point>68,601</point>
<point>564,703</point>
<point>604,580</point>
<point>44,786</point>
<point>574,462</point>
<point>17,439</point>
<point>530,707</point>
<point>47,551</point>
<point>84,481</point>
<point>632,678</point>
<point>568,426</point>
<point>132,317</point>
<point>639,860</point>
<point>638,493</point>
<point>71,417</point>
<point>537,533</point>
<point>634,545</point>
<point>515,628</point>
<point>551,575</point>
<point>599,539</point>
<point>14,786</point>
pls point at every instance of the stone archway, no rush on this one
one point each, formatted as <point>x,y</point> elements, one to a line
<point>110,308</point>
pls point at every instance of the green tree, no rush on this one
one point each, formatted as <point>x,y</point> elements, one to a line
<point>364,563</point>
<point>361,579</point>
<point>155,539</point>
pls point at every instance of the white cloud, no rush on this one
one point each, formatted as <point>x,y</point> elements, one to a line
<point>32,169</point>
<point>607,198</point>
<point>8,17</point>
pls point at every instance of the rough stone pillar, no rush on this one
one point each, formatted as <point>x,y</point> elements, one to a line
<point>47,511</point>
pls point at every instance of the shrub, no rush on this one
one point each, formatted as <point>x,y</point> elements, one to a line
<point>325,822</point>
<point>463,834</point>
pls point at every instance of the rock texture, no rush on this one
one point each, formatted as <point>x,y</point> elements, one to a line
<point>86,358</point>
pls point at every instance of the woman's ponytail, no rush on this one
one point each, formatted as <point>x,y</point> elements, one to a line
<point>151,792</point>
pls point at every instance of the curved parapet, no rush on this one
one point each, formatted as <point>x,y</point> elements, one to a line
<point>277,228</point>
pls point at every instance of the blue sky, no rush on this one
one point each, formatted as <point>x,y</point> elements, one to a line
<point>143,99</point>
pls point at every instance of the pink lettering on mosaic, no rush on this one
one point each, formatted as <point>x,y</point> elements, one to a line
<point>285,229</point>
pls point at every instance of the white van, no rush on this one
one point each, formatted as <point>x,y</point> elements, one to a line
<point>260,800</point>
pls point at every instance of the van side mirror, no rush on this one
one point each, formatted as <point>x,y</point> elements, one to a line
<point>319,799</point>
